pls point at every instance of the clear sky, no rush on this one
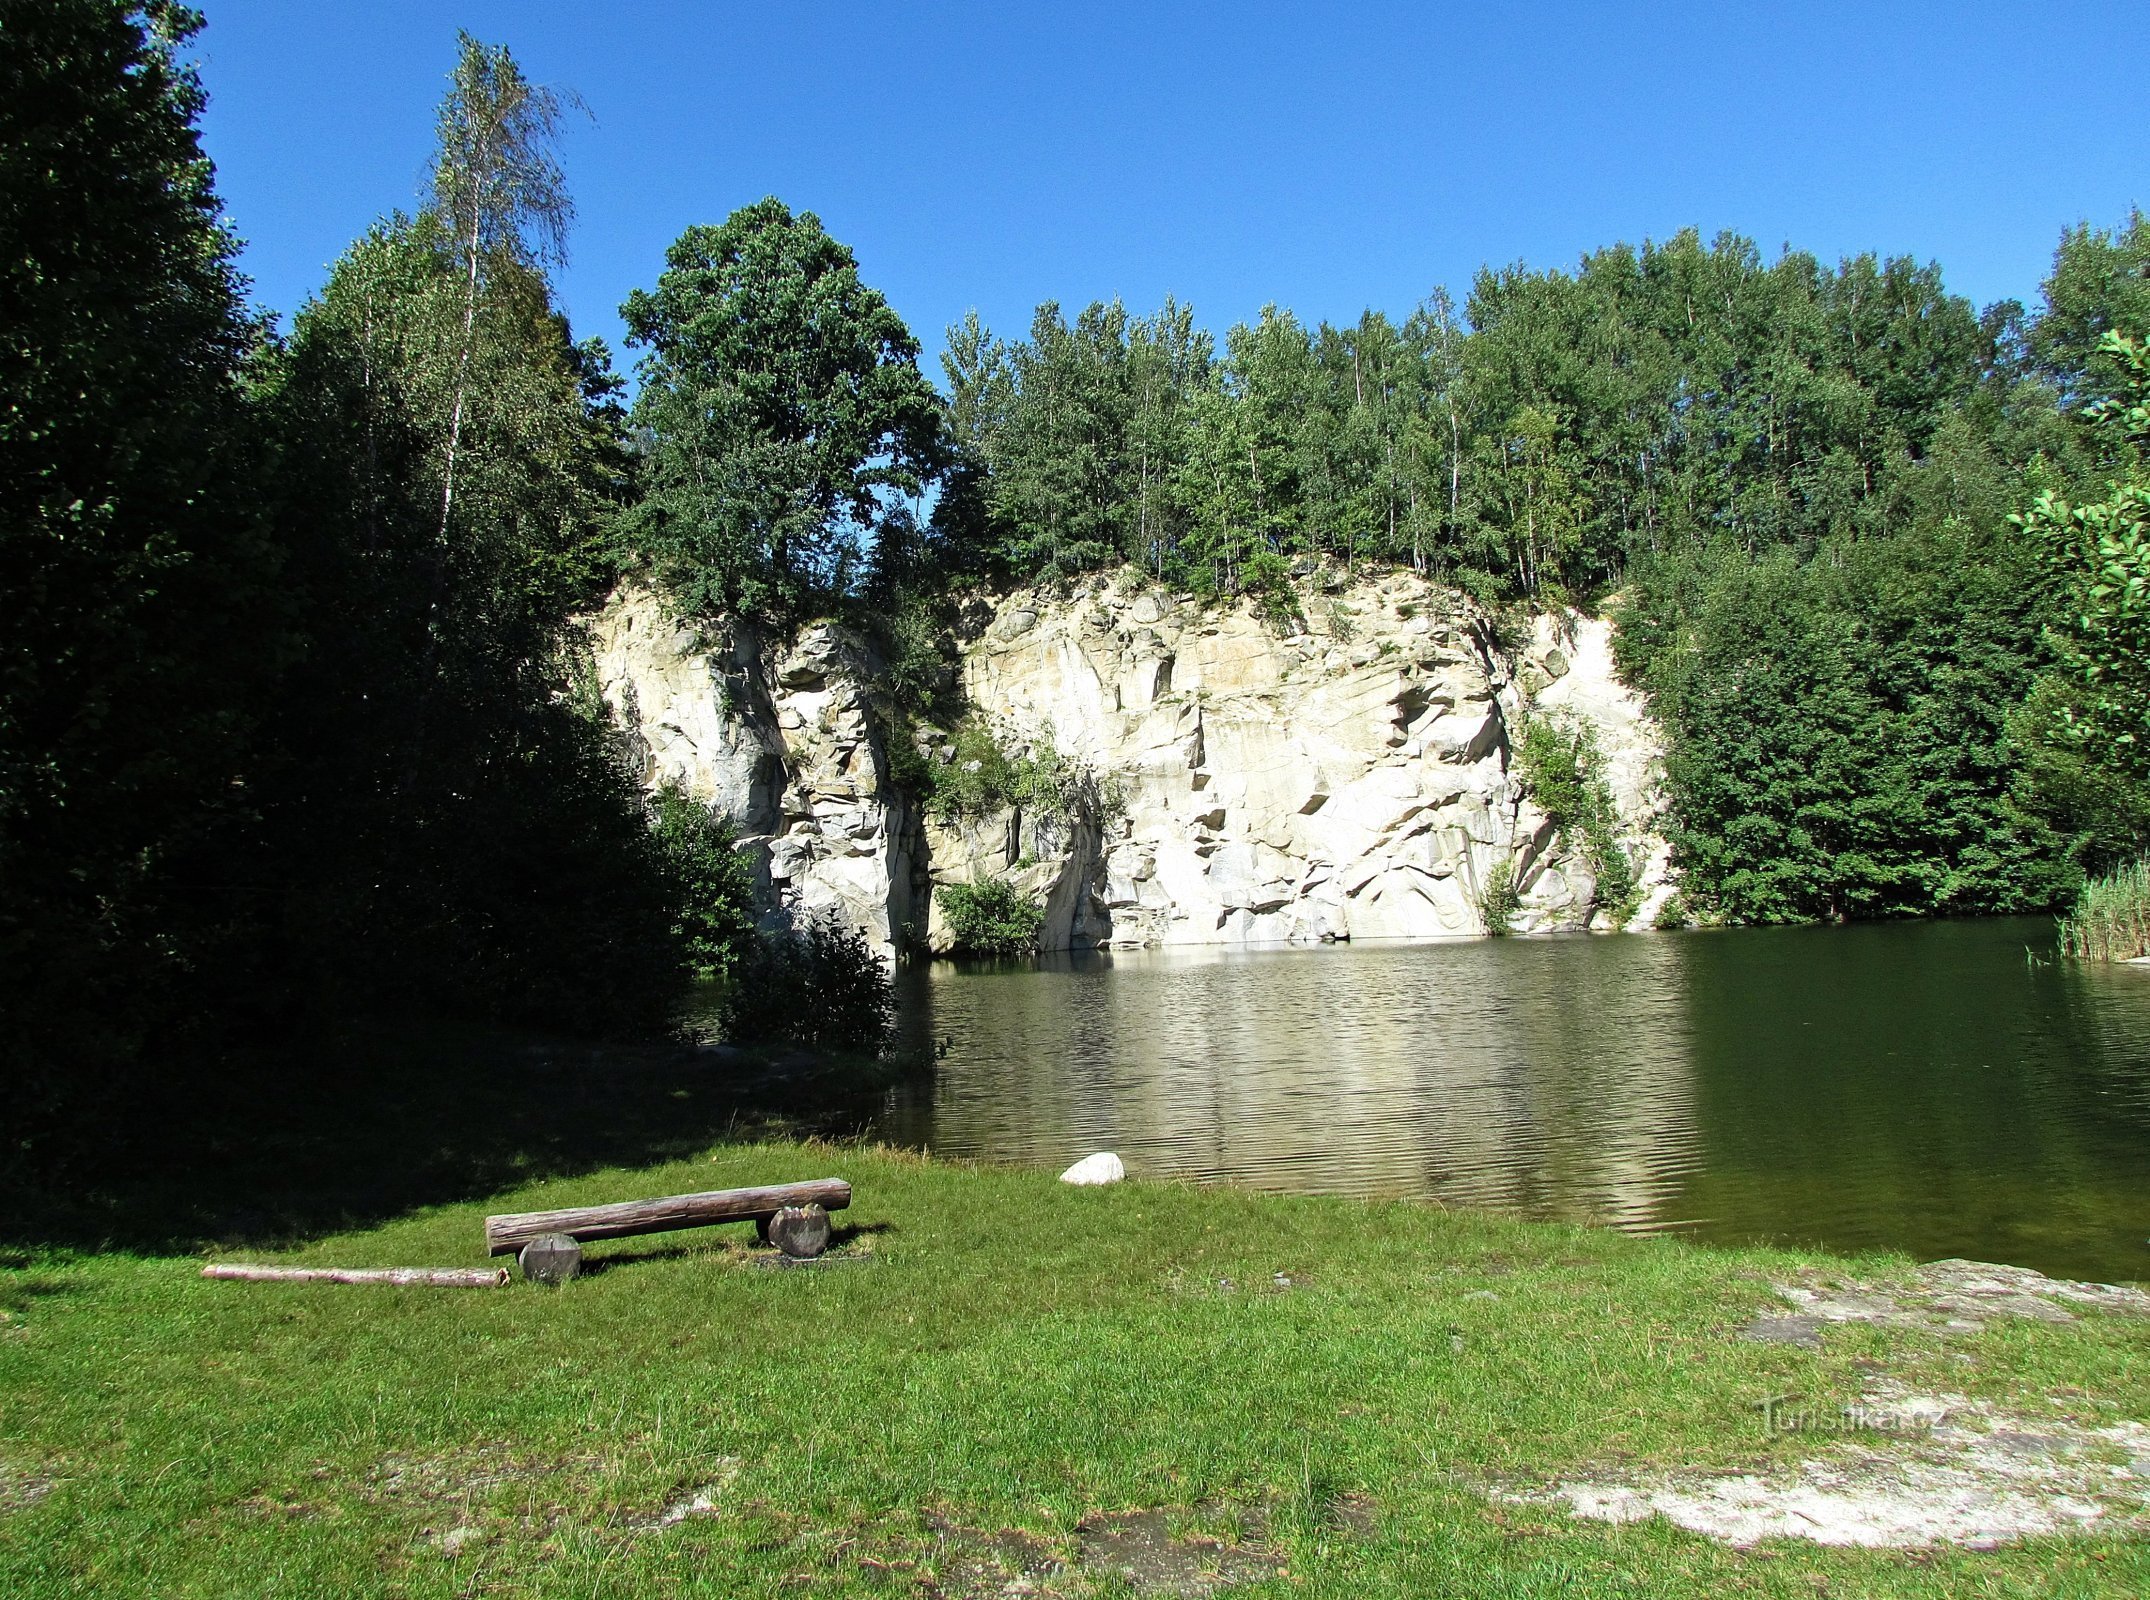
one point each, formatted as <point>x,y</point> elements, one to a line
<point>1324,157</point>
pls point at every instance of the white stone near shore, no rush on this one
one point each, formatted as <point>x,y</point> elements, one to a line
<point>1104,1167</point>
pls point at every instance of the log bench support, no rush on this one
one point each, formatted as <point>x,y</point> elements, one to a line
<point>771,1209</point>
<point>550,1258</point>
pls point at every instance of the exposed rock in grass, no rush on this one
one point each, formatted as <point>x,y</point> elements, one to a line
<point>1951,1471</point>
<point>458,1538</point>
<point>1949,1296</point>
<point>697,1500</point>
<point>1806,1332</point>
<point>463,1473</point>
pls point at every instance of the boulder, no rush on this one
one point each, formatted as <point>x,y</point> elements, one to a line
<point>1104,1167</point>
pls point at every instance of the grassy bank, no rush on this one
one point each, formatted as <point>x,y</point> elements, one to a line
<point>1327,1390</point>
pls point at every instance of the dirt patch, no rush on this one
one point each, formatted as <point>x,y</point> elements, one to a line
<point>974,1564</point>
<point>1139,1547</point>
<point>21,1487</point>
<point>1178,1552</point>
<point>1952,1471</point>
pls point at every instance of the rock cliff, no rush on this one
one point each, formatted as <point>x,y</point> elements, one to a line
<point>1345,776</point>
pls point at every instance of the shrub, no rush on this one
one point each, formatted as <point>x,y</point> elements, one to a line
<point>1565,771</point>
<point>984,776</point>
<point>820,984</point>
<point>990,918</point>
<point>2111,919</point>
<point>711,885</point>
<point>1499,900</point>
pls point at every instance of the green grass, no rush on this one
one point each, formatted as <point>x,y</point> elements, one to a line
<point>1003,1352</point>
<point>2110,920</point>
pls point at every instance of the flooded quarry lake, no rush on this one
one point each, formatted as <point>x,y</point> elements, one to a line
<point>1941,1088</point>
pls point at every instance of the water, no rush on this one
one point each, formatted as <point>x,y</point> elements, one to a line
<point>1918,1086</point>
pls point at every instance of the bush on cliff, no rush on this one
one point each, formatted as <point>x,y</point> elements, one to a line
<point>1562,766</point>
<point>714,926</point>
<point>990,918</point>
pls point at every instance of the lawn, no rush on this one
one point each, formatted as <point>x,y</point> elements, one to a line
<point>1314,1397</point>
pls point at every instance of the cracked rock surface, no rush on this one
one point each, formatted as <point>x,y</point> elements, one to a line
<point>1347,775</point>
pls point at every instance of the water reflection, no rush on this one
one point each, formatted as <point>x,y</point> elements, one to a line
<point>1920,1087</point>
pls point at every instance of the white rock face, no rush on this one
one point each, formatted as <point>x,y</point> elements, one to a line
<point>1345,780</point>
<point>1104,1167</point>
<point>781,739</point>
<point>1348,781</point>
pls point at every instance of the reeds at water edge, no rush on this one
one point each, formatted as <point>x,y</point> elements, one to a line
<point>2111,918</point>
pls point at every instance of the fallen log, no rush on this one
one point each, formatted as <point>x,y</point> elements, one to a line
<point>508,1233</point>
<point>429,1277</point>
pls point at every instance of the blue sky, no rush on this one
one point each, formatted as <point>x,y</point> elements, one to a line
<point>1324,157</point>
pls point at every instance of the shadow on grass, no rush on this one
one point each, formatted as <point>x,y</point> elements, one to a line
<point>279,1147</point>
<point>700,1242</point>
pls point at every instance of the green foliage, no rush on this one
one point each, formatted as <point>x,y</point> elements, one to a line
<point>2092,720</point>
<point>447,803</point>
<point>991,918</point>
<point>291,726</point>
<point>1648,400</point>
<point>141,615</point>
<point>2099,286</point>
<point>2110,920</point>
<point>1564,770</point>
<point>782,423</point>
<point>820,984</point>
<point>712,883</point>
<point>1839,729</point>
<point>1499,899</point>
<point>984,774</point>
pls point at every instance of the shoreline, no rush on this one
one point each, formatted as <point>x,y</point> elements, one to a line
<point>997,1379</point>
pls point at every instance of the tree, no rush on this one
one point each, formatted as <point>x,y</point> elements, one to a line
<point>446,808</point>
<point>499,197</point>
<point>2091,720</point>
<point>137,581</point>
<point>783,421</point>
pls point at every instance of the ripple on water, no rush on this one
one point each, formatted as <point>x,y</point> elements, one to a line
<point>1911,1086</point>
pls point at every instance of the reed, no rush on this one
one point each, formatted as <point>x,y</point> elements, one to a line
<point>2111,919</point>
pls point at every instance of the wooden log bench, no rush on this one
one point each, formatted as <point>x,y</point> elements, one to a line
<point>547,1242</point>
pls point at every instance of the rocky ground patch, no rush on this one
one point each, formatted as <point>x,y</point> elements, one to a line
<point>1913,1469</point>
